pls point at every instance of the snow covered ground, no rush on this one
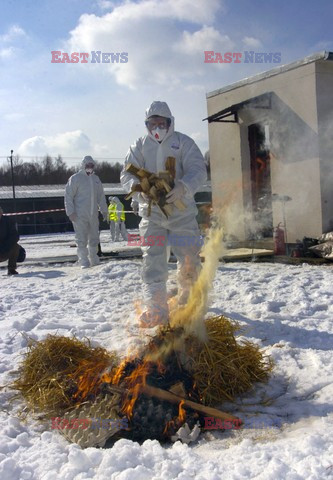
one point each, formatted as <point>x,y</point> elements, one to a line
<point>286,309</point>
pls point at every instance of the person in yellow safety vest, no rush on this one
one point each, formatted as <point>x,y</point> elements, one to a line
<point>117,219</point>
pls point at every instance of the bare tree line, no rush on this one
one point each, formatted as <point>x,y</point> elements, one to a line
<point>52,171</point>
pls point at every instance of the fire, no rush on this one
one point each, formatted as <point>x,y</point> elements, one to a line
<point>118,374</point>
<point>131,374</point>
<point>160,367</point>
<point>181,412</point>
<point>168,426</point>
<point>176,422</point>
<point>134,383</point>
<point>88,378</point>
<point>191,316</point>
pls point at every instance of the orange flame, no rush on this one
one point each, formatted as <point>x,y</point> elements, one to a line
<point>167,427</point>
<point>88,377</point>
<point>181,412</point>
<point>178,421</point>
<point>160,367</point>
<point>135,381</point>
<point>115,378</point>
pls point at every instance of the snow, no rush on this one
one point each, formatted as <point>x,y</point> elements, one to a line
<point>285,309</point>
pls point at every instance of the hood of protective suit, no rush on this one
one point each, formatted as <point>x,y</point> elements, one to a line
<point>114,200</point>
<point>86,160</point>
<point>162,110</point>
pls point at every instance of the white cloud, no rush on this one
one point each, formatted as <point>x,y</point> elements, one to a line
<point>6,52</point>
<point>322,45</point>
<point>68,143</point>
<point>207,38</point>
<point>13,36</point>
<point>105,4</point>
<point>14,116</point>
<point>183,10</point>
<point>14,32</point>
<point>152,33</point>
<point>251,42</point>
<point>201,139</point>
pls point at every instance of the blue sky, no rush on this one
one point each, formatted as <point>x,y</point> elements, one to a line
<point>98,109</point>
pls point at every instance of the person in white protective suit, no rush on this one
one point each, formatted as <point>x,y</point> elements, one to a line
<point>117,219</point>
<point>84,195</point>
<point>180,230</point>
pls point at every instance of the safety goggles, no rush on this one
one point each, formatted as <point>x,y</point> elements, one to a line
<point>153,123</point>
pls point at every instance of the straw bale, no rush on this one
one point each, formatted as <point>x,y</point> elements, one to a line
<point>51,371</point>
<point>222,367</point>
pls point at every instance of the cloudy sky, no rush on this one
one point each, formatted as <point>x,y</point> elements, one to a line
<point>74,109</point>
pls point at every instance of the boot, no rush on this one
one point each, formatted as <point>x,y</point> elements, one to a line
<point>84,265</point>
<point>95,261</point>
<point>182,297</point>
<point>93,257</point>
<point>82,253</point>
<point>12,271</point>
<point>156,305</point>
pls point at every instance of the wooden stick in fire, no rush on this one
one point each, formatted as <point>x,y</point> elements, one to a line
<point>172,398</point>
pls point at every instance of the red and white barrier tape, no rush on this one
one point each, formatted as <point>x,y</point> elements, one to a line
<point>47,211</point>
<point>36,211</point>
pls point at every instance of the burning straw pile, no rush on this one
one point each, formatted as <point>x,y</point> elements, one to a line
<point>222,367</point>
<point>167,385</point>
<point>51,371</point>
<point>188,366</point>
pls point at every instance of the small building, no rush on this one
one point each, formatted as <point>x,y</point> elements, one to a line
<point>271,150</point>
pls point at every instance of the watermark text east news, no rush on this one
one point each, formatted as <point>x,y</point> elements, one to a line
<point>92,57</point>
<point>242,57</point>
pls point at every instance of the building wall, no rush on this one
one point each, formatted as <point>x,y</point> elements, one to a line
<point>226,177</point>
<point>324,91</point>
<point>295,168</point>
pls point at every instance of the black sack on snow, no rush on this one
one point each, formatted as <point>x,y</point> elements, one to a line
<point>307,243</point>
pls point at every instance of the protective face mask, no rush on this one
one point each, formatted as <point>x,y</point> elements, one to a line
<point>89,171</point>
<point>159,133</point>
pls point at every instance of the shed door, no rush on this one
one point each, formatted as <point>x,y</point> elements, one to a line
<point>261,188</point>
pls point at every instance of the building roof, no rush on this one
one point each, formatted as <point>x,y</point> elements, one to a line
<point>274,71</point>
<point>261,101</point>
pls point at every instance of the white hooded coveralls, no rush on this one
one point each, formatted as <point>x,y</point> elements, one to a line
<point>148,153</point>
<point>84,194</point>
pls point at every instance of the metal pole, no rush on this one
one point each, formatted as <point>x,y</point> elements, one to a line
<point>284,219</point>
<point>13,183</point>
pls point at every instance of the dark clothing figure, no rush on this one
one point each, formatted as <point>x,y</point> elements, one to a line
<point>9,248</point>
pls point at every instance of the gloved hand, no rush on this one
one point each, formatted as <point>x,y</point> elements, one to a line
<point>145,197</point>
<point>176,193</point>
<point>135,207</point>
<point>72,217</point>
<point>106,217</point>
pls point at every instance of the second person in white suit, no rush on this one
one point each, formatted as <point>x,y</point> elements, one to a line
<point>84,196</point>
